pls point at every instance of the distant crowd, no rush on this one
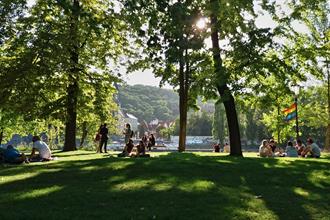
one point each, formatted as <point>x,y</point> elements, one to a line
<point>269,148</point>
<point>41,152</point>
<point>130,150</point>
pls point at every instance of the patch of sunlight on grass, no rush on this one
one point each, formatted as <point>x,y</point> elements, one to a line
<point>225,161</point>
<point>307,195</point>
<point>89,168</point>
<point>17,177</point>
<point>316,212</point>
<point>250,154</point>
<point>158,154</point>
<point>251,206</point>
<point>317,177</point>
<point>39,192</point>
<point>257,209</point>
<point>197,186</point>
<point>133,185</point>
<point>301,192</point>
<point>117,178</point>
<point>120,165</point>
<point>162,186</point>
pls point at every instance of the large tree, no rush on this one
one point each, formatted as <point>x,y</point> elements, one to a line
<point>173,46</point>
<point>56,51</point>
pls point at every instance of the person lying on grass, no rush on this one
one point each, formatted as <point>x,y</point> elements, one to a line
<point>43,149</point>
<point>12,155</point>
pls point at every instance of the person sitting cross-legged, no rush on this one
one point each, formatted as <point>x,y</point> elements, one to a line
<point>43,149</point>
<point>127,149</point>
<point>290,150</point>
<point>300,146</point>
<point>312,149</point>
<point>226,148</point>
<point>265,150</point>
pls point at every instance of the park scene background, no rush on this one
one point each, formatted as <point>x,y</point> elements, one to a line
<point>222,71</point>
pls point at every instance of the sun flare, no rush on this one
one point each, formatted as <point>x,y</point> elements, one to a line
<point>201,23</point>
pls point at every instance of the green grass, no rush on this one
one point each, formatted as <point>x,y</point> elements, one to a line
<point>84,185</point>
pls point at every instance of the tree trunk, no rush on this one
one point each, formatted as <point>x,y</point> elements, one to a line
<point>228,99</point>
<point>73,88</point>
<point>1,136</point>
<point>327,134</point>
<point>70,125</point>
<point>182,106</point>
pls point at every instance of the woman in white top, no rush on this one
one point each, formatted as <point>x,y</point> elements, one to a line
<point>42,148</point>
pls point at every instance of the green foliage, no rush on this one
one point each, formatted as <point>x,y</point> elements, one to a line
<point>45,50</point>
<point>148,102</point>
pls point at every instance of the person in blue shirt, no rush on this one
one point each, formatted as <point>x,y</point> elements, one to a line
<point>12,155</point>
<point>290,150</point>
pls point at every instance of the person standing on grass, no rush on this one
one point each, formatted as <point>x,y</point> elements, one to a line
<point>97,139</point>
<point>151,142</point>
<point>43,149</point>
<point>104,138</point>
<point>127,132</point>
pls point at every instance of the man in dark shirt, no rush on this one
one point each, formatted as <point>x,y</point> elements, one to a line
<point>104,138</point>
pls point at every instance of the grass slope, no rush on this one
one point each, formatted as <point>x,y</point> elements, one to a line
<point>84,185</point>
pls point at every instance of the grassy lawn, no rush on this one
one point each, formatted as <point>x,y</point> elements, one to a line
<point>85,185</point>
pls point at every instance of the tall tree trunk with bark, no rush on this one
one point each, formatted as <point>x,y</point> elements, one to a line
<point>182,105</point>
<point>327,134</point>
<point>1,136</point>
<point>228,99</point>
<point>73,87</point>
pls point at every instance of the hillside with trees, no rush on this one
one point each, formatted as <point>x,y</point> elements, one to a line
<point>148,102</point>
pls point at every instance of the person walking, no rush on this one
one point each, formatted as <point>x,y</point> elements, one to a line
<point>104,138</point>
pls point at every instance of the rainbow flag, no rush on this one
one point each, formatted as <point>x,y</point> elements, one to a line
<point>291,112</point>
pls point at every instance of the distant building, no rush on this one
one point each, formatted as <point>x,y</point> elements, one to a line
<point>125,118</point>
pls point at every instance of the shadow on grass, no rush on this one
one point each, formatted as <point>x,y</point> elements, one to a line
<point>172,186</point>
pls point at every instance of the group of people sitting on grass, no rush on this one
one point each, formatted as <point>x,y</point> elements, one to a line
<point>269,149</point>
<point>10,154</point>
<point>217,148</point>
<point>139,150</point>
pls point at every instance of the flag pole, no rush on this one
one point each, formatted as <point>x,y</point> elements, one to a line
<point>297,125</point>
